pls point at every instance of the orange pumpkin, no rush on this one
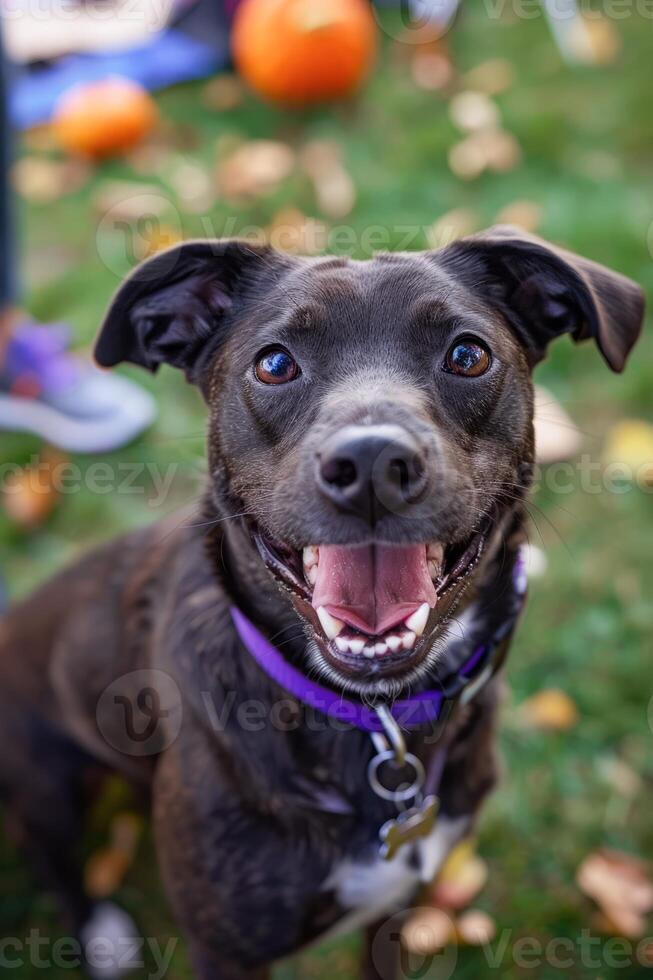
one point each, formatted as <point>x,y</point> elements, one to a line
<point>103,118</point>
<point>304,51</point>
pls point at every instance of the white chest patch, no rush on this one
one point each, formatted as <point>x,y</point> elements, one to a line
<point>374,888</point>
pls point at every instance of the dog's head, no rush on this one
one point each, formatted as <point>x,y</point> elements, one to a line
<point>372,419</point>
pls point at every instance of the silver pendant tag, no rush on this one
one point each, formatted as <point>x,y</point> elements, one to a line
<point>411,825</point>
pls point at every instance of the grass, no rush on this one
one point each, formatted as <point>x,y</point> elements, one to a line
<point>587,155</point>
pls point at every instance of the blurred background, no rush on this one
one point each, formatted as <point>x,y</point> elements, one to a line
<point>347,128</point>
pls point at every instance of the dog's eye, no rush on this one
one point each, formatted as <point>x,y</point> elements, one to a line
<point>468,357</point>
<point>276,366</point>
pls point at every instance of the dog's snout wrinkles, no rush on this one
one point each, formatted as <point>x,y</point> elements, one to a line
<point>370,470</point>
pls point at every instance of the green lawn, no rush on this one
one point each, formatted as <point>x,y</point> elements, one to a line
<point>587,148</point>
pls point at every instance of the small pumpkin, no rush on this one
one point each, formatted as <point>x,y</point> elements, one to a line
<point>300,52</point>
<point>103,118</point>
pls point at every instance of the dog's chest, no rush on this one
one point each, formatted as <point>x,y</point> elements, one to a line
<point>370,887</point>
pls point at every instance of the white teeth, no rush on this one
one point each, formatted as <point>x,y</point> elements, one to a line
<point>342,645</point>
<point>331,626</point>
<point>394,643</point>
<point>417,620</point>
<point>311,574</point>
<point>408,640</point>
<point>380,648</point>
<point>356,646</point>
<point>310,556</point>
<point>434,569</point>
<point>369,652</point>
<point>435,551</point>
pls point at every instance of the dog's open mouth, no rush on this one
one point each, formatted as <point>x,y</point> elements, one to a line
<point>373,608</point>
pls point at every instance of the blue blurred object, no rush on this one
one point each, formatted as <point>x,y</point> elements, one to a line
<point>171,57</point>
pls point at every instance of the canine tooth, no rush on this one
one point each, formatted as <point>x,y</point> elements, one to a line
<point>434,569</point>
<point>369,652</point>
<point>394,642</point>
<point>408,640</point>
<point>343,645</point>
<point>311,574</point>
<point>417,621</point>
<point>310,555</point>
<point>380,648</point>
<point>356,646</point>
<point>435,551</point>
<point>331,626</point>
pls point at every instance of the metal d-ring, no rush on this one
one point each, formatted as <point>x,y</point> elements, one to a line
<point>404,792</point>
<point>393,734</point>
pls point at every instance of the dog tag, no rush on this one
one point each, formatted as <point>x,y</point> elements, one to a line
<point>411,825</point>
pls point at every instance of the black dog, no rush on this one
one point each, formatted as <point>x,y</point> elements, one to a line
<point>370,441</point>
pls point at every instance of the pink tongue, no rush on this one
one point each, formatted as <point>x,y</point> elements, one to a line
<point>373,587</point>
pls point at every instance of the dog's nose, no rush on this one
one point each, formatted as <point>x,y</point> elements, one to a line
<point>371,470</point>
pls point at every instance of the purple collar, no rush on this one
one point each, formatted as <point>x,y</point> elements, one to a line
<point>420,709</point>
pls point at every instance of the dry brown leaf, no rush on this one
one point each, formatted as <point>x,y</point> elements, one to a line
<point>32,493</point>
<point>42,180</point>
<point>550,710</point>
<point>467,159</point>
<point>475,928</point>
<point>556,437</point>
<point>292,231</point>
<point>462,877</point>
<point>473,111</point>
<point>502,151</point>
<point>334,187</point>
<point>223,93</point>
<point>427,931</point>
<point>524,214</point>
<point>105,871</point>
<point>451,226</point>
<point>620,885</point>
<point>255,169</point>
<point>594,40</point>
<point>630,446</point>
<point>431,70</point>
<point>124,199</point>
<point>491,77</point>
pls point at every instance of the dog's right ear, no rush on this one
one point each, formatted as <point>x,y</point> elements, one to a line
<point>174,307</point>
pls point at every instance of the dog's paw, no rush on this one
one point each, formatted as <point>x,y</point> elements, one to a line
<point>111,943</point>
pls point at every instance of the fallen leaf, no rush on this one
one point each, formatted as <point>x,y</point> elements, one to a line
<point>426,931</point>
<point>41,180</point>
<point>223,93</point>
<point>334,187</point>
<point>255,169</point>
<point>491,77</point>
<point>594,40</point>
<point>556,437</point>
<point>502,151</point>
<point>475,928</point>
<point>292,231</point>
<point>472,111</point>
<point>461,878</point>
<point>451,226</point>
<point>192,185</point>
<point>550,710</point>
<point>620,885</point>
<point>106,868</point>
<point>32,493</point>
<point>431,70</point>
<point>124,199</point>
<point>467,159</point>
<point>630,446</point>
<point>524,214</point>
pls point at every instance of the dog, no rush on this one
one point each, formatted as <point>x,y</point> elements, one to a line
<point>370,449</point>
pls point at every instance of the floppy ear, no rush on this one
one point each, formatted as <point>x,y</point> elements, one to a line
<point>545,291</point>
<point>174,308</point>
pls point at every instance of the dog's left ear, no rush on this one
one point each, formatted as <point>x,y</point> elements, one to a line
<point>545,291</point>
<point>175,308</point>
